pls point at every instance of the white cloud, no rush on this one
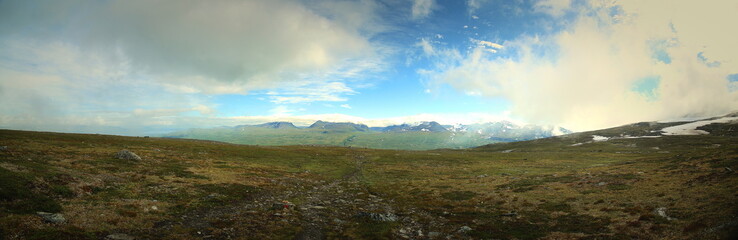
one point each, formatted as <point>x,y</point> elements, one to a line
<point>426,46</point>
<point>312,92</point>
<point>474,5</point>
<point>582,77</point>
<point>346,106</point>
<point>215,47</point>
<point>422,8</point>
<point>554,8</point>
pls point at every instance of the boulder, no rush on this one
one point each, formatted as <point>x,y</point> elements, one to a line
<point>379,217</point>
<point>127,155</point>
<point>52,217</point>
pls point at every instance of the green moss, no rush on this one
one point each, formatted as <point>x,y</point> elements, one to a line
<point>555,206</point>
<point>16,196</point>
<point>368,229</point>
<point>527,184</point>
<point>459,195</point>
<point>227,192</point>
<point>575,223</point>
<point>618,186</point>
<point>68,233</point>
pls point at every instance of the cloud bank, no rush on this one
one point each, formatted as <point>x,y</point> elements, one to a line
<point>589,74</point>
<point>107,62</point>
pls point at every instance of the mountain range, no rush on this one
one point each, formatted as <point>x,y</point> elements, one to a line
<point>417,136</point>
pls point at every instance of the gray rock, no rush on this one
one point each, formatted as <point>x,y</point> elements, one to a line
<point>465,229</point>
<point>3,148</point>
<point>601,184</point>
<point>434,234</point>
<point>483,176</point>
<point>662,212</point>
<point>127,155</point>
<point>119,236</point>
<point>52,217</point>
<point>379,217</point>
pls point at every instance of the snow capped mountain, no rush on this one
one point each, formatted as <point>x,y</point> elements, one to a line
<point>499,131</point>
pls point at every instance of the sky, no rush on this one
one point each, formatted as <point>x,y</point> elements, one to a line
<point>143,67</point>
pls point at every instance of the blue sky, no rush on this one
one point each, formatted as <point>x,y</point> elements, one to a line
<point>138,67</point>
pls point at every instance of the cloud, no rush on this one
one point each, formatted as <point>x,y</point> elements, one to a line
<point>346,106</point>
<point>583,76</point>
<point>422,8</point>
<point>474,5</point>
<point>426,46</point>
<point>128,66</point>
<point>312,92</point>
<point>220,46</point>
<point>555,8</point>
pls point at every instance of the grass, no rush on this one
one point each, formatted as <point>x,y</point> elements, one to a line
<point>541,189</point>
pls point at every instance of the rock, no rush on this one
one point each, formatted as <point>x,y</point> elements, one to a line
<point>662,212</point>
<point>434,234</point>
<point>119,236</point>
<point>52,217</point>
<point>387,217</point>
<point>465,229</point>
<point>601,184</point>
<point>127,155</point>
<point>483,176</point>
<point>3,148</point>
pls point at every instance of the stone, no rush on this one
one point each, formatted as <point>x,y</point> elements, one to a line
<point>119,236</point>
<point>379,217</point>
<point>434,234</point>
<point>3,148</point>
<point>52,217</point>
<point>601,184</point>
<point>483,176</point>
<point>662,212</point>
<point>127,155</point>
<point>465,229</point>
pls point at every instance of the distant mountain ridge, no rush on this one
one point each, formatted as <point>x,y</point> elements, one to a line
<point>340,126</point>
<point>417,136</point>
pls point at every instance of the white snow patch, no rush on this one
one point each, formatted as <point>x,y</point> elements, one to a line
<point>691,128</point>
<point>598,138</point>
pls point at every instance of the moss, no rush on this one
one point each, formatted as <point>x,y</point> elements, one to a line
<point>16,195</point>
<point>368,229</point>
<point>499,229</point>
<point>63,191</point>
<point>228,192</point>
<point>618,186</point>
<point>69,233</point>
<point>554,206</point>
<point>527,184</point>
<point>576,223</point>
<point>459,195</point>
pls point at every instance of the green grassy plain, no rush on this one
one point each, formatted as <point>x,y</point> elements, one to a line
<point>555,188</point>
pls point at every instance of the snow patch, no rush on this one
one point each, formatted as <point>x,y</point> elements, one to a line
<point>691,128</point>
<point>598,138</point>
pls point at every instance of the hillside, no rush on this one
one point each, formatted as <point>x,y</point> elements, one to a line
<point>629,182</point>
<point>421,136</point>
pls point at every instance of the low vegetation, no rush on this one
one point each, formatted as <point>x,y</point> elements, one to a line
<point>673,187</point>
